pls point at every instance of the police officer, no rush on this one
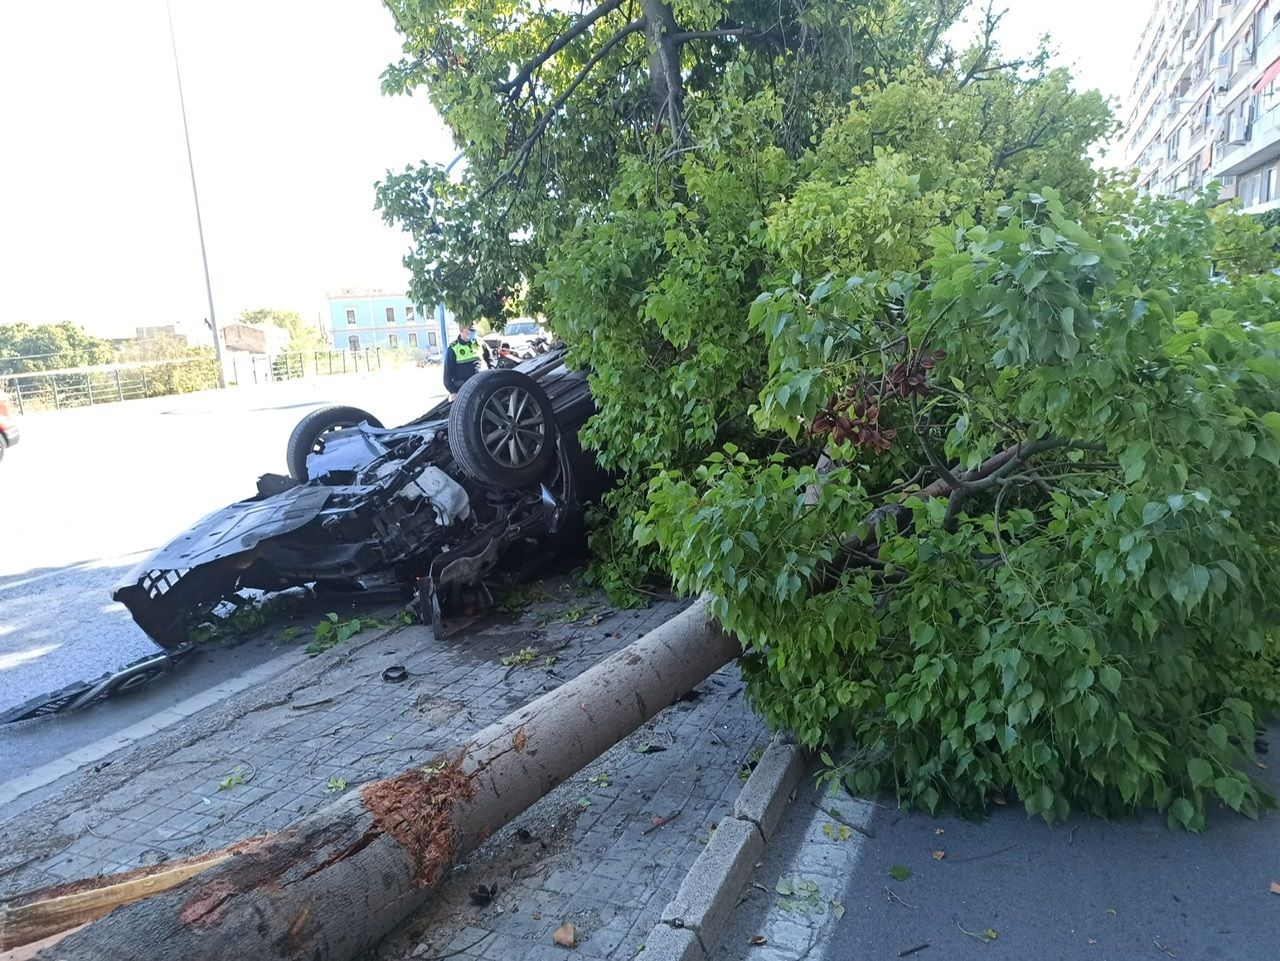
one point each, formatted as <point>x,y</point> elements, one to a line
<point>462,359</point>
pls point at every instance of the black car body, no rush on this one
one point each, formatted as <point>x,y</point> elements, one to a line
<point>433,504</point>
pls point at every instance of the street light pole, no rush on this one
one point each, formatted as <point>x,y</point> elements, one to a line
<point>195,195</point>
<point>440,313</point>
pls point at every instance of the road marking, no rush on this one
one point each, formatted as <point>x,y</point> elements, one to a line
<point>15,788</point>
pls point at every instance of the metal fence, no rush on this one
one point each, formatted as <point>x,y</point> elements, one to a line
<point>259,369</point>
<point>59,389</point>
<point>33,391</point>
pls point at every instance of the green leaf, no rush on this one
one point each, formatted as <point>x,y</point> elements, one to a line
<point>1200,771</point>
<point>785,887</point>
<point>1182,813</point>
<point>1109,677</point>
<point>1153,512</point>
<point>1133,461</point>
<point>899,872</point>
<point>1231,790</point>
<point>1271,421</point>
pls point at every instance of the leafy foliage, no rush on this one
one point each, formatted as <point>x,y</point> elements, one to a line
<point>1092,620</point>
<point>974,450</point>
<point>29,347</point>
<point>302,334</point>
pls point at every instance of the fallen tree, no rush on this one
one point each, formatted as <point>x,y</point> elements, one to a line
<point>332,885</point>
<point>342,878</point>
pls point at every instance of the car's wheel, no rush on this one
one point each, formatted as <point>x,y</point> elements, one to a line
<point>308,437</point>
<point>4,446</point>
<point>502,430</point>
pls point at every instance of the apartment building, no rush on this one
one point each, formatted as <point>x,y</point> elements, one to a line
<point>1204,105</point>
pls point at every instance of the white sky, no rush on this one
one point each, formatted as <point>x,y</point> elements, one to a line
<point>289,132</point>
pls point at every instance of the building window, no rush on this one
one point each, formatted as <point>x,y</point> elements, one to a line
<point>393,341</point>
<point>353,342</point>
<point>408,314</point>
<point>413,339</point>
<point>1268,185</point>
<point>391,315</point>
<point>432,339</point>
<point>351,316</point>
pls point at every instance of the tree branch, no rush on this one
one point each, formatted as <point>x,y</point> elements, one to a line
<point>513,87</point>
<point>553,108</point>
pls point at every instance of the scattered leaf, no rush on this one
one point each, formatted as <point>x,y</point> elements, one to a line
<point>335,784</point>
<point>997,798</point>
<point>1093,940</point>
<point>649,748</point>
<point>1275,887</point>
<point>566,936</point>
<point>537,915</point>
<point>1110,911</point>
<point>837,909</point>
<point>939,855</point>
<point>784,887</point>
<point>521,740</point>
<point>757,940</point>
<point>940,831</point>
<point>483,894</point>
<point>584,801</point>
<point>986,937</point>
<point>899,872</point>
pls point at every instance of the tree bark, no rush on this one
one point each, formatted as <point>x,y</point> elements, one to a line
<point>665,81</point>
<point>337,882</point>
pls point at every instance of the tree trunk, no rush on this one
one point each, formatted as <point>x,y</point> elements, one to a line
<point>337,882</point>
<point>665,82</point>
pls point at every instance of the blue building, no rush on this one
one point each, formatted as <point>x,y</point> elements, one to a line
<point>360,319</point>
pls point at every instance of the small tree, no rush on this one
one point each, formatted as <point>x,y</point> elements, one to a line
<point>302,335</point>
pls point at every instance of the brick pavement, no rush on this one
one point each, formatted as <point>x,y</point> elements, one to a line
<point>592,854</point>
<point>589,853</point>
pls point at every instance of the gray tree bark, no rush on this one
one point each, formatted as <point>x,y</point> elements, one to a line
<point>337,882</point>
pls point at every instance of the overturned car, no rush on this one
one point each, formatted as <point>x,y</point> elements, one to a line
<point>433,505</point>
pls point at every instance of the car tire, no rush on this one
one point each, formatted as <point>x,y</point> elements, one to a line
<point>502,429</point>
<point>4,446</point>
<point>308,437</point>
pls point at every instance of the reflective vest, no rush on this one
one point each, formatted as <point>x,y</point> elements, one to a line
<point>465,353</point>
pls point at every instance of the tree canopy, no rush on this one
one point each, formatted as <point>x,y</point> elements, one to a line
<point>302,335</point>
<point>976,452</point>
<point>27,347</point>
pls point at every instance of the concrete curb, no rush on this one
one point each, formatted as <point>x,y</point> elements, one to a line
<point>691,924</point>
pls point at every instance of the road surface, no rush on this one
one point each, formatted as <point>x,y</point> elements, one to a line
<point>89,492</point>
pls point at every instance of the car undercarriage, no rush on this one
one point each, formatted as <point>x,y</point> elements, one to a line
<point>433,505</point>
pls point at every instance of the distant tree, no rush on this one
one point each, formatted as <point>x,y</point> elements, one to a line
<point>303,335</point>
<point>27,347</point>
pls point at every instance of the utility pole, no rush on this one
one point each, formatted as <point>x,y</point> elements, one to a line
<point>195,195</point>
<point>440,312</point>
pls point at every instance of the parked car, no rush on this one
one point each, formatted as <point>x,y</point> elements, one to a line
<point>9,432</point>
<point>433,505</point>
<point>518,341</point>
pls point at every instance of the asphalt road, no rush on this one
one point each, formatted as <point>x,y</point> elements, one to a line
<point>1087,889</point>
<point>89,492</point>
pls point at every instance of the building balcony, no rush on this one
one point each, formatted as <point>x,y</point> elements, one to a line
<point>1257,144</point>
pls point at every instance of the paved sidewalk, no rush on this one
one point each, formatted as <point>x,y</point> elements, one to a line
<point>262,758</point>
<point>604,852</point>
